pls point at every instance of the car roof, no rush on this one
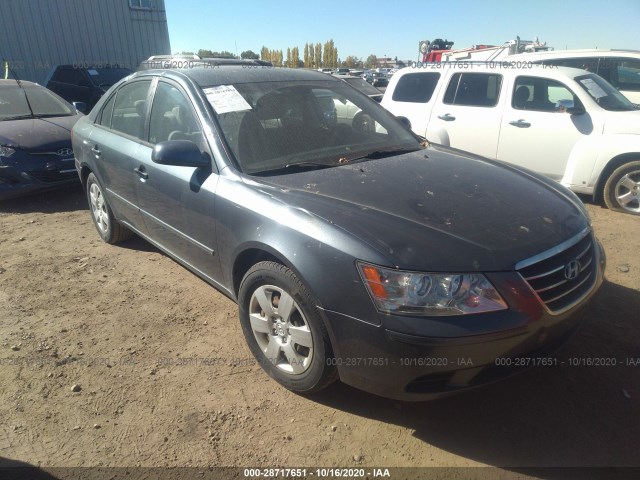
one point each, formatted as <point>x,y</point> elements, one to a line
<point>499,66</point>
<point>586,52</point>
<point>13,83</point>
<point>205,75</point>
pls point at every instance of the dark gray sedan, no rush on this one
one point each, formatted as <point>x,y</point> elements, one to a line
<point>354,249</point>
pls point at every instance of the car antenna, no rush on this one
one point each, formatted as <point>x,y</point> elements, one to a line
<point>17,79</point>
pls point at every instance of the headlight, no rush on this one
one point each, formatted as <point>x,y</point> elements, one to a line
<point>6,151</point>
<point>414,293</point>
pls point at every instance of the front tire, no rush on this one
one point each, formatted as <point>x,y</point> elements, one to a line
<point>284,329</point>
<point>107,226</point>
<point>622,190</point>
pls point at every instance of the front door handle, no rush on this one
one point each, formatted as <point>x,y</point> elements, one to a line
<point>96,150</point>
<point>520,123</point>
<point>141,173</point>
<point>447,117</point>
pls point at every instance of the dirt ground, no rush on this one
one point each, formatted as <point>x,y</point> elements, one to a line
<point>123,324</point>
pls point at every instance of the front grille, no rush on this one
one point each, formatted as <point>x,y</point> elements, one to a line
<point>50,176</point>
<point>557,280</point>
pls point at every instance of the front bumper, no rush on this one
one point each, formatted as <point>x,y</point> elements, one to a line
<point>410,358</point>
<point>29,174</point>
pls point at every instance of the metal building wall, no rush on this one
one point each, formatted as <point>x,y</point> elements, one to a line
<point>35,35</point>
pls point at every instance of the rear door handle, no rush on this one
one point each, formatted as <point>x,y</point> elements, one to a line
<point>447,117</point>
<point>520,123</point>
<point>141,173</point>
<point>95,150</point>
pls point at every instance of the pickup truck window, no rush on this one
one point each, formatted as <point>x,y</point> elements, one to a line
<point>473,89</point>
<point>540,94</point>
<point>416,87</point>
<point>604,94</point>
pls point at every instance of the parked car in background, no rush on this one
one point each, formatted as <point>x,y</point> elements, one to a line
<point>377,79</point>
<point>242,176</point>
<point>35,139</point>
<point>568,124</point>
<point>621,68</point>
<point>363,86</point>
<point>341,71</point>
<point>84,83</point>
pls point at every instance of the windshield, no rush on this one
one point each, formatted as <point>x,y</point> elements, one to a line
<point>362,85</point>
<point>604,93</point>
<point>105,77</point>
<point>43,102</point>
<point>272,126</point>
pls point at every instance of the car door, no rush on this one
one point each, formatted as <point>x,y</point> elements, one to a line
<point>71,84</point>
<point>114,141</point>
<point>177,202</point>
<point>536,133</point>
<point>468,115</point>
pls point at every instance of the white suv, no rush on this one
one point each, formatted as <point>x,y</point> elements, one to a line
<point>621,68</point>
<point>566,123</point>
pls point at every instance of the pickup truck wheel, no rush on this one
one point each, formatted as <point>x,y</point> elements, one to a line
<point>108,227</point>
<point>284,330</point>
<point>622,190</point>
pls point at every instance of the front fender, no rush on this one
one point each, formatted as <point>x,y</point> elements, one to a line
<point>590,157</point>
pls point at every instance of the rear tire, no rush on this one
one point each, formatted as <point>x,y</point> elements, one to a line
<point>284,329</point>
<point>109,229</point>
<point>622,191</point>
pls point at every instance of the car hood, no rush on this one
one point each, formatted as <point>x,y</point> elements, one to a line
<point>37,134</point>
<point>437,209</point>
<point>622,122</point>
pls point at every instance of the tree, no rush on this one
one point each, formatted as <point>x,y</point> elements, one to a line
<point>312,57</point>
<point>318,55</point>
<point>371,61</point>
<point>288,62</point>
<point>295,57</point>
<point>249,54</point>
<point>307,61</point>
<point>265,54</point>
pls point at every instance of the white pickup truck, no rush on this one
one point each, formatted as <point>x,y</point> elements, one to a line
<point>566,123</point>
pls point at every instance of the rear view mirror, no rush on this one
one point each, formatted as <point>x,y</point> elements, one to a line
<point>406,122</point>
<point>180,153</point>
<point>80,107</point>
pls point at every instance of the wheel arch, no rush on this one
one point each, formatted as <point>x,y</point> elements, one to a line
<point>612,165</point>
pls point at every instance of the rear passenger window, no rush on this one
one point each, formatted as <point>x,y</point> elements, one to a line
<point>130,107</point>
<point>627,75</point>
<point>416,87</point>
<point>68,75</point>
<point>473,89</point>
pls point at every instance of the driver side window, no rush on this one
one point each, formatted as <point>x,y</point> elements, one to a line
<point>172,117</point>
<point>541,95</point>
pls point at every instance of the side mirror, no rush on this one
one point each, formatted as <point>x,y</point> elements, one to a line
<point>180,153</point>
<point>576,111</point>
<point>80,107</point>
<point>405,122</point>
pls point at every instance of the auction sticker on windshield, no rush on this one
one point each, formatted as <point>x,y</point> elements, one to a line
<point>225,98</point>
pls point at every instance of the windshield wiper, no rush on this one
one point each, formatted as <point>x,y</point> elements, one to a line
<point>294,167</point>
<point>391,152</point>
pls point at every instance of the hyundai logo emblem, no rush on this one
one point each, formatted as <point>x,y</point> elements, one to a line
<point>64,152</point>
<point>571,270</point>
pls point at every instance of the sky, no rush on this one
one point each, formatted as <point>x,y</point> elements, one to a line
<point>395,27</point>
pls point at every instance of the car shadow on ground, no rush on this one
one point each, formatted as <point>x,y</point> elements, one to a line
<point>67,199</point>
<point>545,417</point>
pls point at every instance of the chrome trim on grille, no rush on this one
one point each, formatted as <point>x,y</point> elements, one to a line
<point>553,251</point>
<point>593,272</point>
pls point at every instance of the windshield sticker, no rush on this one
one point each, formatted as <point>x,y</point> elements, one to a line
<point>226,98</point>
<point>595,90</point>
<point>92,72</point>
